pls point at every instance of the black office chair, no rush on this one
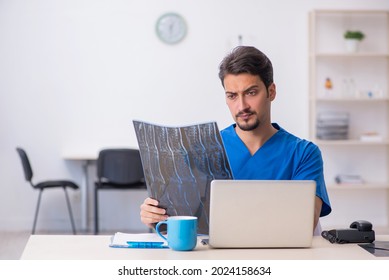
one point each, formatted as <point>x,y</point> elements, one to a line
<point>64,184</point>
<point>119,169</point>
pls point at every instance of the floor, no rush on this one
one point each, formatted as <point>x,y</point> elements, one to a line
<point>12,243</point>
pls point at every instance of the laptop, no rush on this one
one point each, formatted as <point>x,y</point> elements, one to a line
<point>261,213</point>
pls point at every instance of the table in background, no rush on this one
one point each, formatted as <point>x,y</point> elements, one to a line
<point>94,247</point>
<point>86,158</point>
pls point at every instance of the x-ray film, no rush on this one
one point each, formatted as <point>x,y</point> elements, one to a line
<point>179,164</point>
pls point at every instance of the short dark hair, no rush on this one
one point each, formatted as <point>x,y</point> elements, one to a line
<point>245,59</point>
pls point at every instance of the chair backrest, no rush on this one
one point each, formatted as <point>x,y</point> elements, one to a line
<point>120,166</point>
<point>26,164</point>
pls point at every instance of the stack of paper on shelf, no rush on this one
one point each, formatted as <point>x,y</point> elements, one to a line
<point>332,126</point>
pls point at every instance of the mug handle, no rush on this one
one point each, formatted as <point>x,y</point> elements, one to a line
<point>157,229</point>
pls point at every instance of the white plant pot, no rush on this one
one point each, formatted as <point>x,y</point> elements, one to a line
<point>352,45</point>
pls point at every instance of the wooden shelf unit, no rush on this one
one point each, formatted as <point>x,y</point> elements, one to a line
<point>361,90</point>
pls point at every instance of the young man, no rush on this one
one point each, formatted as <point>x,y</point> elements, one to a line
<point>256,148</point>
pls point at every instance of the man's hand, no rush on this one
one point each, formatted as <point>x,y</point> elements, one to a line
<point>150,213</point>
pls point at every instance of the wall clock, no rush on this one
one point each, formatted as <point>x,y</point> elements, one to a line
<point>171,28</point>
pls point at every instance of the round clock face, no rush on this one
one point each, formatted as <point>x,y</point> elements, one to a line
<point>171,28</point>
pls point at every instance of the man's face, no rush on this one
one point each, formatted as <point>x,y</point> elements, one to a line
<point>248,100</point>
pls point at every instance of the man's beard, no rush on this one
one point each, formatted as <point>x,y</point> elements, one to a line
<point>245,126</point>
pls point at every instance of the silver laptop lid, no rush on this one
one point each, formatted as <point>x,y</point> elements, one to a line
<point>261,213</point>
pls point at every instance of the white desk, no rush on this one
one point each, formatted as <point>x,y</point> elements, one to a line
<point>90,247</point>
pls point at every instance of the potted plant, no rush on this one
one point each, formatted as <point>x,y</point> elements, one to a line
<point>353,38</point>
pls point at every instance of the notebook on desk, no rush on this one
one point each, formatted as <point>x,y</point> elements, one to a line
<point>261,214</point>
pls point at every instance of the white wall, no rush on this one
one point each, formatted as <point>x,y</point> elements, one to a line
<point>74,74</point>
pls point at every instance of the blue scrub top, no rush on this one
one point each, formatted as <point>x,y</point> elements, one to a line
<point>283,157</point>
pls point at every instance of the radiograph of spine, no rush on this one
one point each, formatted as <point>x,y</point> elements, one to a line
<point>219,165</point>
<point>158,185</point>
<point>144,153</point>
<point>179,164</point>
<point>185,190</point>
<point>167,170</point>
<point>200,167</point>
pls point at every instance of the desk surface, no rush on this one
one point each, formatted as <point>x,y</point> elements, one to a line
<point>95,247</point>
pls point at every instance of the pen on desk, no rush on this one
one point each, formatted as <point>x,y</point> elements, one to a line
<point>143,244</point>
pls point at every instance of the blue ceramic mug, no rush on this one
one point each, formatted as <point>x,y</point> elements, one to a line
<point>181,232</point>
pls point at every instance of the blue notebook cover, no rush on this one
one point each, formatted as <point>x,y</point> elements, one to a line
<point>137,240</point>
